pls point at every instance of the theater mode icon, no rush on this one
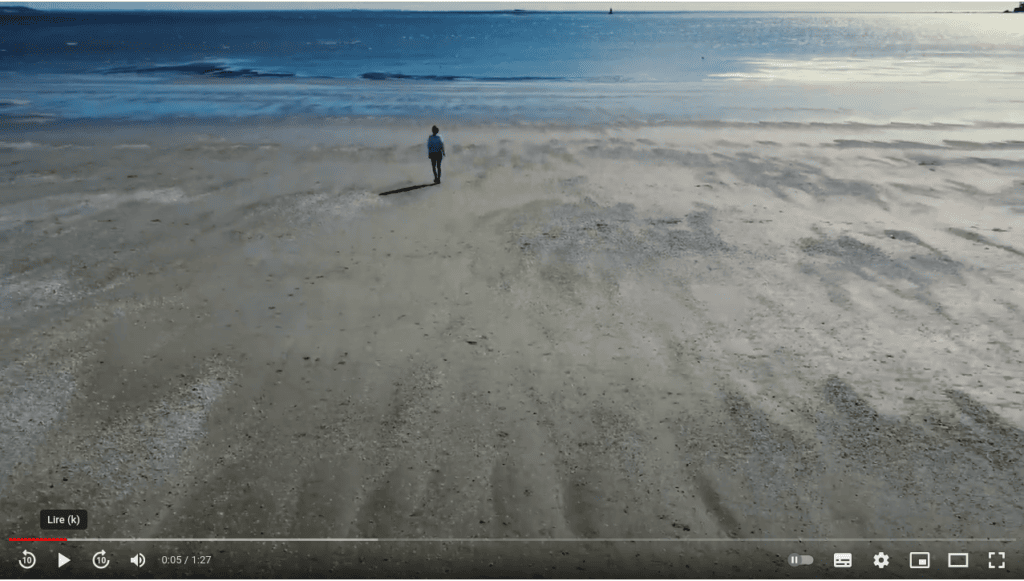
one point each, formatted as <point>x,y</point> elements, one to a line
<point>842,560</point>
<point>920,560</point>
<point>957,560</point>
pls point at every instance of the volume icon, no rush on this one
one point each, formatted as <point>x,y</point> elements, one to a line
<point>138,560</point>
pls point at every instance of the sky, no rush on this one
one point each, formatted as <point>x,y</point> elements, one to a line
<point>620,6</point>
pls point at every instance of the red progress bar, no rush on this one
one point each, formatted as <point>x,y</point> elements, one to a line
<point>28,539</point>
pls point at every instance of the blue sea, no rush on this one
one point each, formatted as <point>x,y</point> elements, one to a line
<point>571,67</point>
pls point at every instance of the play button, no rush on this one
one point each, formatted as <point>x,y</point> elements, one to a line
<point>62,560</point>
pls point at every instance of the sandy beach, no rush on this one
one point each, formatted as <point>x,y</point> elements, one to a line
<point>703,331</point>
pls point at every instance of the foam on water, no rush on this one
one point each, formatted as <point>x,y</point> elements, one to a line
<point>30,145</point>
<point>24,145</point>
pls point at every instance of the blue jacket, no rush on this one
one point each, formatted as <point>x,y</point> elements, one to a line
<point>434,144</point>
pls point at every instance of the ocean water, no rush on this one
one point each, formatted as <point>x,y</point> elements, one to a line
<point>571,67</point>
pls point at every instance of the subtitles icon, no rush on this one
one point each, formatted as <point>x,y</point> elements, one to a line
<point>842,560</point>
<point>920,560</point>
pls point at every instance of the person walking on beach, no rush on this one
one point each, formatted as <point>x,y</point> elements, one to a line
<point>435,150</point>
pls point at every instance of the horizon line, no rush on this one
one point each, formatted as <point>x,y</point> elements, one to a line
<point>527,6</point>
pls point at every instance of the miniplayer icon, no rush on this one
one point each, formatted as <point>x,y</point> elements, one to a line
<point>920,560</point>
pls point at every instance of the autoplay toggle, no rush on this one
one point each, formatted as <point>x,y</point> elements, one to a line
<point>796,560</point>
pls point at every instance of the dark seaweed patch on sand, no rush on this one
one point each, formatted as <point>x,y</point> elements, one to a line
<point>973,237</point>
<point>780,175</point>
<point>952,467</point>
<point>986,434</point>
<point>873,439</point>
<point>699,238</point>
<point>577,233</point>
<point>872,264</point>
<point>955,466</point>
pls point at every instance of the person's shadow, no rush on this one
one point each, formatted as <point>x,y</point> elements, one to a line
<point>409,189</point>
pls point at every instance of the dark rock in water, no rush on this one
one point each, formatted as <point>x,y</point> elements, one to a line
<point>18,10</point>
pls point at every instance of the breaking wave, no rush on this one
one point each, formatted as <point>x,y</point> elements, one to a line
<point>388,76</point>
<point>208,69</point>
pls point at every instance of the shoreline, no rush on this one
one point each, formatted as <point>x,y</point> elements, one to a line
<point>276,121</point>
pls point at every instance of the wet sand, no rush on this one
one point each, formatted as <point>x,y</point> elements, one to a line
<point>711,331</point>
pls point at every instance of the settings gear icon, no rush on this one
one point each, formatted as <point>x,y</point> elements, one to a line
<point>881,560</point>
